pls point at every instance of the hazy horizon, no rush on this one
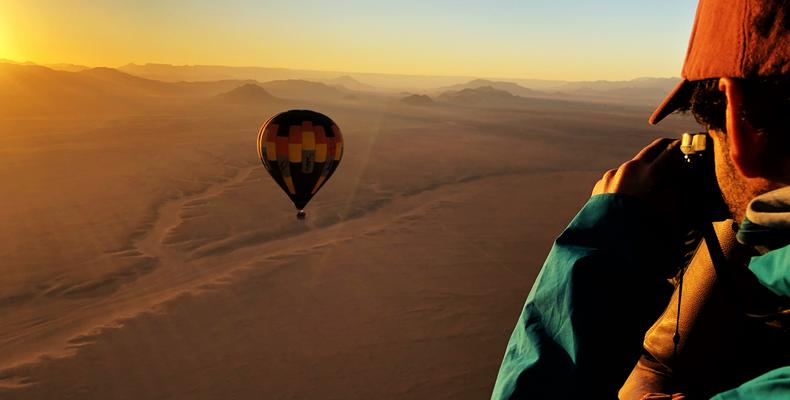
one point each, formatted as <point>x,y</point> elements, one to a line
<point>649,88</point>
<point>509,40</point>
<point>56,64</point>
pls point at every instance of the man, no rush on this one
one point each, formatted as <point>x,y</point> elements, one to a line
<point>604,283</point>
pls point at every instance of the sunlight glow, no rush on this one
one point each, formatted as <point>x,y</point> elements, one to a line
<point>564,39</point>
<point>7,49</point>
<point>4,51</point>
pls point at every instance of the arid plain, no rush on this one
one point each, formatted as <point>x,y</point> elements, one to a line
<point>145,252</point>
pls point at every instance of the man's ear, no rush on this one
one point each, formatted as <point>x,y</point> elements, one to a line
<point>747,145</point>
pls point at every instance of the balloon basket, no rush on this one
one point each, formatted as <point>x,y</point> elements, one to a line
<point>301,215</point>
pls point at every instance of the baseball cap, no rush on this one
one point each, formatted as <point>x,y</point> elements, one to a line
<point>734,39</point>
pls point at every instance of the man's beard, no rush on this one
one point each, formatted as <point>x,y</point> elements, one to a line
<point>737,193</point>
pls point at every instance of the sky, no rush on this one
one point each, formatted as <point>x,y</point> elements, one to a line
<point>556,39</point>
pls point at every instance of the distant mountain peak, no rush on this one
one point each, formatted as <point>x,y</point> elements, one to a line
<point>303,89</point>
<point>417,100</point>
<point>249,88</point>
<point>481,82</point>
<point>483,95</point>
<point>247,93</point>
<point>510,87</point>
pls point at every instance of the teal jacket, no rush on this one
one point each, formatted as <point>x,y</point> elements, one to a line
<point>602,286</point>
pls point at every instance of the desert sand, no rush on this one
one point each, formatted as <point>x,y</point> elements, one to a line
<point>145,252</point>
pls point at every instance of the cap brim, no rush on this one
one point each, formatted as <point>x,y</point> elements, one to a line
<point>678,98</point>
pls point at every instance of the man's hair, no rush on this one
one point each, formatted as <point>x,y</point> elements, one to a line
<point>766,101</point>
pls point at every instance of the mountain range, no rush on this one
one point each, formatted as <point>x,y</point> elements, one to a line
<point>26,88</point>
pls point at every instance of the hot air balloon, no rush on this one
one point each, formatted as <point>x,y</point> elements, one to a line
<point>300,149</point>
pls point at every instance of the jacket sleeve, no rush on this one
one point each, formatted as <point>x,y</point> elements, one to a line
<point>773,385</point>
<point>581,330</point>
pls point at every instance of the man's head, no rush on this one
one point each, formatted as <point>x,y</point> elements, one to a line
<point>750,126</point>
<point>737,85</point>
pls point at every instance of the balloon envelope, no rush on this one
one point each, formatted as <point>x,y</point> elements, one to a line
<point>300,149</point>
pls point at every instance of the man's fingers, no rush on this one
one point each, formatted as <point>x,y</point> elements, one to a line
<point>602,186</point>
<point>609,179</point>
<point>653,150</point>
<point>598,188</point>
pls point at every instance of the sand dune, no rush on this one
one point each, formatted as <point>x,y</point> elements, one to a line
<point>412,326</point>
<point>147,254</point>
<point>250,94</point>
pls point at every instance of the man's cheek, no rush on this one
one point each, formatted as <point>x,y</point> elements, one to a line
<point>720,154</point>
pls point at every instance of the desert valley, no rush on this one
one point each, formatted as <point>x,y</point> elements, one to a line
<point>146,253</point>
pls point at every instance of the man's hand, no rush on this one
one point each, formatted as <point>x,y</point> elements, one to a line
<point>654,175</point>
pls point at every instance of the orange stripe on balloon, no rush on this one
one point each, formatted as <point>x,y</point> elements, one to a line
<point>320,134</point>
<point>320,143</point>
<point>282,146</point>
<point>338,143</point>
<point>295,143</point>
<point>331,147</point>
<point>336,131</point>
<point>295,152</point>
<point>271,151</point>
<point>307,126</point>
<point>271,132</point>
<point>290,184</point>
<point>320,152</point>
<point>271,142</point>
<point>308,140</point>
<point>295,134</point>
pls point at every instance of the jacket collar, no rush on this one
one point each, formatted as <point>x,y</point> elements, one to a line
<point>767,226</point>
<point>767,222</point>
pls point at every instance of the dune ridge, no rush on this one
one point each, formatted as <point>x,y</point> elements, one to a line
<point>153,246</point>
<point>152,249</point>
<point>398,217</point>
